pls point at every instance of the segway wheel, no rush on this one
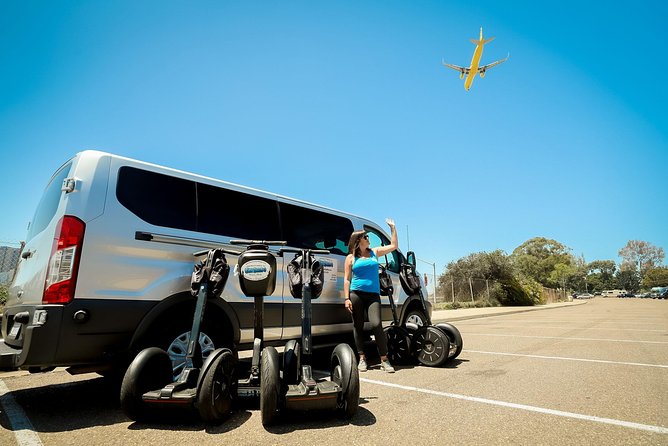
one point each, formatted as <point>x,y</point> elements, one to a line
<point>398,345</point>
<point>345,374</point>
<point>431,346</point>
<point>455,337</point>
<point>270,385</point>
<point>291,362</point>
<point>214,400</point>
<point>150,370</point>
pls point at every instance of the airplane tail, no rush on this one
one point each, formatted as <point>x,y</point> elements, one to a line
<point>481,41</point>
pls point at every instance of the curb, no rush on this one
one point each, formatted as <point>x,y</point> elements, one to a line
<point>493,314</point>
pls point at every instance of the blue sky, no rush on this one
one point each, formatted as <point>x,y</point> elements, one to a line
<point>346,104</point>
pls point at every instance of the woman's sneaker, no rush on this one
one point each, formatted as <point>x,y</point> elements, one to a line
<point>385,365</point>
<point>362,367</point>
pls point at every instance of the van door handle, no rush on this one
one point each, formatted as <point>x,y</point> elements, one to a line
<point>27,254</point>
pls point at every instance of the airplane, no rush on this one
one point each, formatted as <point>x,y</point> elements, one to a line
<point>475,67</point>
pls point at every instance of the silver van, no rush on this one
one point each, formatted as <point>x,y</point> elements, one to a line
<point>106,267</point>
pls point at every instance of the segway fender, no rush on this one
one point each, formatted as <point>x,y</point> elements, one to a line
<point>208,363</point>
<point>455,338</point>
<point>411,327</point>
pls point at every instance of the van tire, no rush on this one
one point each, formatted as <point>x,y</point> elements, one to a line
<point>416,317</point>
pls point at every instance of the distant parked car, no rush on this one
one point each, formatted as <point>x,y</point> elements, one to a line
<point>642,295</point>
<point>584,296</point>
<point>659,292</point>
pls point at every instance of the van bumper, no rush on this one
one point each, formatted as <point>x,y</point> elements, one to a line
<point>37,339</point>
<point>9,357</point>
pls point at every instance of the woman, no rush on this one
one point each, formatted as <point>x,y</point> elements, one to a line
<point>361,288</point>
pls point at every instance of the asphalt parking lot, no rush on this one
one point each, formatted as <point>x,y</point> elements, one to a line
<point>595,373</point>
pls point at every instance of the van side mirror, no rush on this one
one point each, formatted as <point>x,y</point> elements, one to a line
<point>410,258</point>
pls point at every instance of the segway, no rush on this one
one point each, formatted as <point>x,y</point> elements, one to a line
<point>398,337</point>
<point>256,269</point>
<point>301,390</point>
<point>432,345</point>
<point>148,386</point>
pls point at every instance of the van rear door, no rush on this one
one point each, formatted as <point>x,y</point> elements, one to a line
<point>28,285</point>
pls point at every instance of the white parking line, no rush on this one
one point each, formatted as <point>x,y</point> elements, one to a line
<point>566,338</point>
<point>620,324</point>
<point>559,413</point>
<point>24,432</point>
<point>538,327</point>
<point>563,358</point>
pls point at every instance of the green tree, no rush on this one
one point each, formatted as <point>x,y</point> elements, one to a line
<point>655,277</point>
<point>538,257</point>
<point>641,255</point>
<point>496,266</point>
<point>601,275</point>
<point>563,274</point>
<point>628,279</point>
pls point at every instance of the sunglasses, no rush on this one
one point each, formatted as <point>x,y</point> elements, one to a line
<point>365,236</point>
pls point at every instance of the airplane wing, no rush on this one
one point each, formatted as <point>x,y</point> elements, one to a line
<point>493,64</point>
<point>462,70</point>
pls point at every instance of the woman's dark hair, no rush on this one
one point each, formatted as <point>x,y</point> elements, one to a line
<point>354,243</point>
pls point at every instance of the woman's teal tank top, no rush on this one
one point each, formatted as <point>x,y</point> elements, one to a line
<point>365,274</point>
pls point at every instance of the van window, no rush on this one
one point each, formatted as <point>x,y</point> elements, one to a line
<point>48,204</point>
<point>311,229</point>
<point>236,214</point>
<point>158,199</point>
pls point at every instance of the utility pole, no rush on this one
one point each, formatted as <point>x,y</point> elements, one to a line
<point>408,240</point>
<point>433,264</point>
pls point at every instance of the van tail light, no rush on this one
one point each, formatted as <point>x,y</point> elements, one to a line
<point>61,277</point>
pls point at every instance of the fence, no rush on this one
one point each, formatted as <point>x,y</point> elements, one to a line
<point>9,258</point>
<point>468,290</point>
<point>472,291</point>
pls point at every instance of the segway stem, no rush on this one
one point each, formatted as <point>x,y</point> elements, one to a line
<point>193,356</point>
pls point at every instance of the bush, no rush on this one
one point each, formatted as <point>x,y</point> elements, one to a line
<point>533,289</point>
<point>4,293</point>
<point>514,293</point>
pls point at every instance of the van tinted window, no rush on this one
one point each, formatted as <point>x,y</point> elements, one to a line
<point>236,214</point>
<point>48,204</point>
<point>158,199</point>
<point>308,228</point>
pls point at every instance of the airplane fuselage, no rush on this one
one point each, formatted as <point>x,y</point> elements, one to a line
<point>475,63</point>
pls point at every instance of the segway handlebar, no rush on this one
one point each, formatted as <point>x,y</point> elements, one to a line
<point>258,242</point>
<point>226,251</point>
<point>300,250</point>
